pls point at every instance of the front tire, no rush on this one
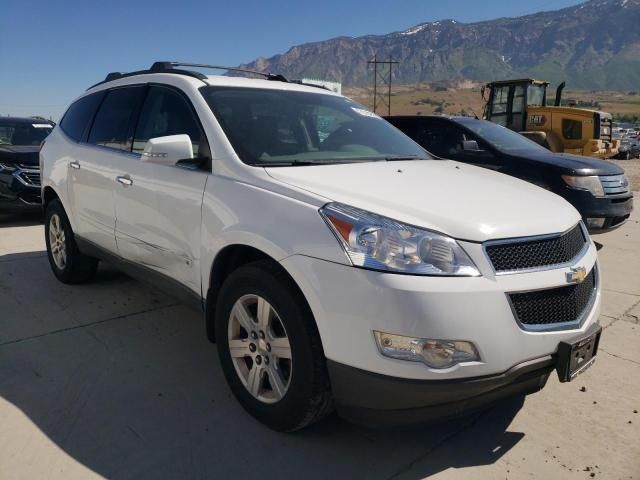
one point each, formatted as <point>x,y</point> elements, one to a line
<point>67,263</point>
<point>270,349</point>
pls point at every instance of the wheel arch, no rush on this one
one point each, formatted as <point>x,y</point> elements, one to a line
<point>49,194</point>
<point>229,259</point>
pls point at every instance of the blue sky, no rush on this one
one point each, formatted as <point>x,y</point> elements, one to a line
<point>52,51</point>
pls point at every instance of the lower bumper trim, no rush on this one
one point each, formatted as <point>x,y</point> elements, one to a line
<point>379,401</point>
<point>18,205</point>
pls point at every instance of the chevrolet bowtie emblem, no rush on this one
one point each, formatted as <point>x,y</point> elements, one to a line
<point>576,275</point>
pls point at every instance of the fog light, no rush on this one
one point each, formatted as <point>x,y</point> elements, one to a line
<point>595,222</point>
<point>433,353</point>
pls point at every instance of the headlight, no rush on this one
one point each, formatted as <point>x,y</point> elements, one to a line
<point>380,243</point>
<point>591,184</point>
<point>4,168</point>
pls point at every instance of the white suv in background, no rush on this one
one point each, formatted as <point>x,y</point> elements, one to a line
<point>336,262</point>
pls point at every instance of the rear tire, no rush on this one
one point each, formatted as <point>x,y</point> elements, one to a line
<point>262,315</point>
<point>67,263</point>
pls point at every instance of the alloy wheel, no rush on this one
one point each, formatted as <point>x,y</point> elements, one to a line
<point>259,348</point>
<point>57,242</point>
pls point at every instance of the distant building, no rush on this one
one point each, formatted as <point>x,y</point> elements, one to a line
<point>333,86</point>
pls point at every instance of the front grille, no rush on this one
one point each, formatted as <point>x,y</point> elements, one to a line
<point>523,254</point>
<point>26,166</point>
<point>614,184</point>
<point>554,305</point>
<point>31,177</point>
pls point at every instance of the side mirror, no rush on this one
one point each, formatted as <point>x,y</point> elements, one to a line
<point>470,146</point>
<point>167,150</point>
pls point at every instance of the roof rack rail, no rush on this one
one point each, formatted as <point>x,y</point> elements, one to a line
<point>164,66</point>
<point>117,75</point>
<point>307,84</point>
<point>169,67</point>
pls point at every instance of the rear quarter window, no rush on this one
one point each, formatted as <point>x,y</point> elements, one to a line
<point>112,125</point>
<point>79,114</point>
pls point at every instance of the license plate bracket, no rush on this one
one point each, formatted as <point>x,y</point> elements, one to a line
<point>577,355</point>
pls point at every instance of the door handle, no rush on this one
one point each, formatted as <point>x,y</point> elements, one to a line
<point>124,180</point>
<point>75,165</point>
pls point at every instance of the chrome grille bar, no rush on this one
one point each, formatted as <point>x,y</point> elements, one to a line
<point>28,175</point>
<point>614,184</point>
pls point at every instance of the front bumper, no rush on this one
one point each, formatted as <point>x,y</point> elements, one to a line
<point>349,303</point>
<point>19,192</point>
<point>614,209</point>
<point>379,401</point>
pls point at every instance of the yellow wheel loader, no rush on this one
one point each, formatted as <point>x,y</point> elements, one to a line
<point>521,105</point>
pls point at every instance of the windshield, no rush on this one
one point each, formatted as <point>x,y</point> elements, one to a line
<point>23,133</point>
<point>501,138</point>
<point>535,95</point>
<point>278,127</point>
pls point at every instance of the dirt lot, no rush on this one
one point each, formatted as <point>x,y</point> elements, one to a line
<point>117,380</point>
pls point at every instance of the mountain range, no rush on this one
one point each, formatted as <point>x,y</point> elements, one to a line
<point>593,45</point>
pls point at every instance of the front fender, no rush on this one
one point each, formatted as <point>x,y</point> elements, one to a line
<point>54,166</point>
<point>236,213</point>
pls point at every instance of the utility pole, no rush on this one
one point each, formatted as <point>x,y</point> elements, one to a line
<point>382,77</point>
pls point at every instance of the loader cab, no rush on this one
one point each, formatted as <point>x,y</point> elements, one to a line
<point>521,105</point>
<point>508,101</point>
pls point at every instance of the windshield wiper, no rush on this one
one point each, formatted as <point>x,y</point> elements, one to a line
<point>292,163</point>
<point>304,163</point>
<point>400,158</point>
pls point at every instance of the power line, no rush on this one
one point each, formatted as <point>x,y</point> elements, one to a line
<point>383,78</point>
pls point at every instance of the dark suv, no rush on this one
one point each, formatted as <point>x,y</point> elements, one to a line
<point>20,140</point>
<point>598,189</point>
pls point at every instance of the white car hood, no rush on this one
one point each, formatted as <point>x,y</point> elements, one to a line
<point>460,200</point>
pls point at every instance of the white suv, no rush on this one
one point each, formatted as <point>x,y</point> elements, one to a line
<point>336,262</point>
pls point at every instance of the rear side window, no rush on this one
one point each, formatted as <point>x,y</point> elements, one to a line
<point>76,120</point>
<point>164,113</point>
<point>441,138</point>
<point>410,128</point>
<point>500,100</point>
<point>111,127</point>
